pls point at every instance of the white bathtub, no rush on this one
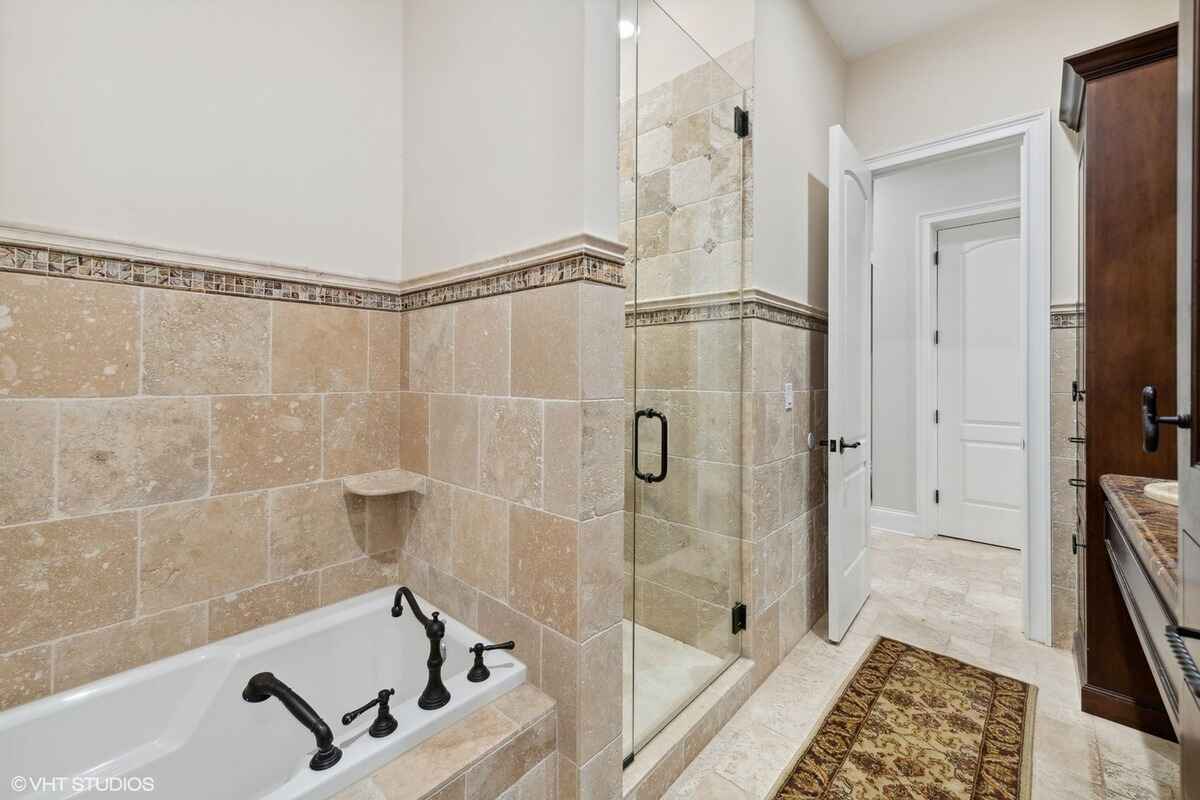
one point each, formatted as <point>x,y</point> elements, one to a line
<point>182,724</point>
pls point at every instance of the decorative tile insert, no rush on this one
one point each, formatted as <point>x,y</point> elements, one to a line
<point>1068,315</point>
<point>578,266</point>
<point>726,309</point>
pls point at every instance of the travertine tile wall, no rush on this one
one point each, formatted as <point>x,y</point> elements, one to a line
<point>523,396</point>
<point>785,528</point>
<point>1063,507</point>
<point>175,478</point>
<point>172,468</point>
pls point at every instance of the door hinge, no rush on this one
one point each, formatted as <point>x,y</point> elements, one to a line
<point>739,617</point>
<point>1078,483</point>
<point>741,122</point>
<point>936,336</point>
<point>1077,440</point>
<point>937,496</point>
<point>937,416</point>
<point>936,257</point>
<point>1076,546</point>
<point>1077,394</point>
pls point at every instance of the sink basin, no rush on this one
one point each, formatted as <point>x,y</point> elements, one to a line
<point>1163,491</point>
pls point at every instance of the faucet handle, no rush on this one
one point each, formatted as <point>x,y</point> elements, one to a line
<point>479,671</point>
<point>384,723</point>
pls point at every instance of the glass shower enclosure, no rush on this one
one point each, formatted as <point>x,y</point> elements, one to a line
<point>682,181</point>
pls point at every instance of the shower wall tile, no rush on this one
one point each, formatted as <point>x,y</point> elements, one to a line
<point>499,622</point>
<point>361,432</point>
<point>454,439</point>
<point>483,367</point>
<point>362,575</point>
<point>510,449</point>
<point>562,441</point>
<point>431,349</point>
<point>544,568</point>
<point>315,525</point>
<point>387,364</point>
<point>480,534</point>
<point>414,432</point>
<point>545,343</point>
<point>115,454</point>
<point>26,464</point>
<point>262,605</point>
<point>316,349</point>
<point>265,441</point>
<point>204,344</point>
<point>65,338</point>
<point>601,578</point>
<point>24,676</point>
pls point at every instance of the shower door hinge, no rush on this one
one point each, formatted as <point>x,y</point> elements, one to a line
<point>935,257</point>
<point>937,417</point>
<point>739,617</point>
<point>935,337</point>
<point>937,497</point>
<point>741,122</point>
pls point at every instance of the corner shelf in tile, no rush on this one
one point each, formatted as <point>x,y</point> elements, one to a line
<point>389,481</point>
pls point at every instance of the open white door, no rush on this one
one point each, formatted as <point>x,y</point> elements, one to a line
<point>849,445</point>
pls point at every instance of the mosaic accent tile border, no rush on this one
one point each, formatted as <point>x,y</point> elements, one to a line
<point>708,312</point>
<point>60,263</point>
<point>1067,317</point>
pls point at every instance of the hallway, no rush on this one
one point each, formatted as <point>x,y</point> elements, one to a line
<point>958,598</point>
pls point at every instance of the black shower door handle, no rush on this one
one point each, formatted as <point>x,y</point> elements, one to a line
<point>650,477</point>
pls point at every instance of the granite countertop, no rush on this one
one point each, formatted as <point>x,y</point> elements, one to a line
<point>1152,527</point>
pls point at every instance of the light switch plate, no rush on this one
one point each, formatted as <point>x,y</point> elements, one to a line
<point>789,397</point>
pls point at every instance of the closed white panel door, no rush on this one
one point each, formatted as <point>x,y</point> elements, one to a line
<point>849,451</point>
<point>981,384</point>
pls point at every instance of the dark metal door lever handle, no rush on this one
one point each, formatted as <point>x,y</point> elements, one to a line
<point>1151,420</point>
<point>847,445</point>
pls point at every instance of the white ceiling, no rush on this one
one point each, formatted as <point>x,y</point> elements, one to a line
<point>864,26</point>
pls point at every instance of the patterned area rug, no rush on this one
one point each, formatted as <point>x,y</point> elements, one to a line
<point>914,724</point>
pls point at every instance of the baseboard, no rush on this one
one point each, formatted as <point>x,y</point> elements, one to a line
<point>889,520</point>
<point>1125,711</point>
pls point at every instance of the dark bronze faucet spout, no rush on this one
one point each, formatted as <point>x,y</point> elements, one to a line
<point>265,685</point>
<point>436,694</point>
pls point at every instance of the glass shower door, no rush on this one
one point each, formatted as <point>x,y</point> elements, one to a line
<point>682,210</point>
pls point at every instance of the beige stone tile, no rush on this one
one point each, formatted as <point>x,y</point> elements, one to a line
<point>654,150</point>
<point>362,575</point>
<point>318,348</point>
<point>769,427</point>
<point>499,623</point>
<point>764,637</point>
<point>691,227</point>
<point>480,549</point>
<point>600,778</point>
<point>203,548</point>
<point>602,466</point>
<point>653,240</point>
<point>266,441</point>
<point>543,568</point>
<point>1063,358</point>
<point>725,170</point>
<point>362,433</point>
<point>366,789</point>
<point>59,578</point>
<point>431,350</point>
<point>430,534</point>
<point>562,453</point>
<point>454,439</point>
<point>720,498</point>
<point>762,503</point>
<point>691,181</point>
<point>510,449</point>
<point>315,526</point>
<point>675,498</point>
<point>667,356</point>
<point>765,360</point>
<point>691,91</point>
<point>434,761</point>
<point>414,573</point>
<point>560,680</point>
<point>456,599</point>
<point>698,564</point>
<point>204,344</point>
<point>545,342</point>
<point>599,692</point>
<point>654,108</point>
<point>67,338</point>
<point>525,705</point>
<point>387,362</point>
<point>718,354</point>
<point>387,523</point>
<point>26,461</point>
<point>690,137</point>
<point>660,777</point>
<point>455,790</point>
<point>654,193</point>
<point>481,345</point>
<point>262,605</point>
<point>601,325</point>
<point>125,453</point>
<point>414,432</point>
<point>107,651</point>
<point>568,779</point>
<point>24,676</point>
<point>601,577</point>
<point>505,767</point>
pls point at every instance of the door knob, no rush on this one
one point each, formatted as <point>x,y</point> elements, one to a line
<point>844,445</point>
<point>1151,420</point>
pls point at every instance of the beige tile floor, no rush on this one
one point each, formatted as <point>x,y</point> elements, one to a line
<point>953,597</point>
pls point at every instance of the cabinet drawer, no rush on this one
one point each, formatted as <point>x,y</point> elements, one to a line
<point>1149,613</point>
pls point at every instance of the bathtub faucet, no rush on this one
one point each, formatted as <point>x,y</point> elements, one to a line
<point>265,685</point>
<point>436,694</point>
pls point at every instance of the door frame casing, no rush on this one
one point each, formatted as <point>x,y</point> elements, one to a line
<point>1031,134</point>
<point>928,226</point>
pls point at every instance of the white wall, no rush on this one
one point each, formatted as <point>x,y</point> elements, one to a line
<point>510,134</point>
<point>900,198</point>
<point>250,129</point>
<point>1000,63</point>
<point>679,35</point>
<point>799,80</point>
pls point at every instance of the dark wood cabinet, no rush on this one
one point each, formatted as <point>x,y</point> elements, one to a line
<point>1122,100</point>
